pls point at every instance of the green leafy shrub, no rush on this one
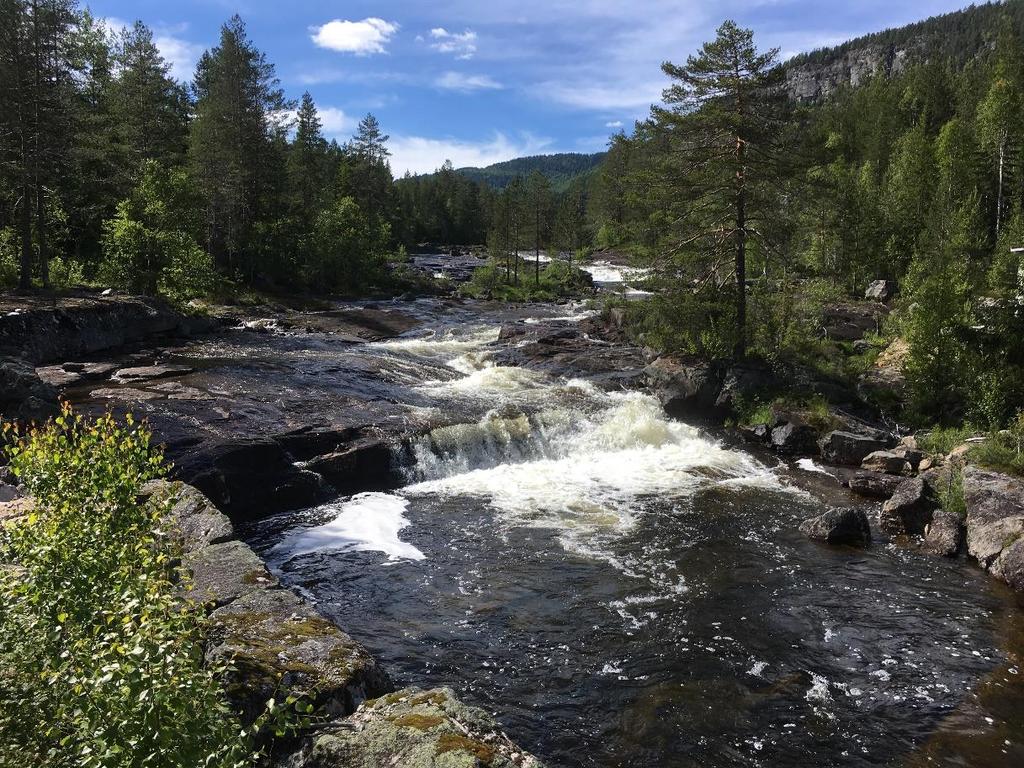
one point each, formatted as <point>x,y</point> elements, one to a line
<point>149,245</point>
<point>101,662</point>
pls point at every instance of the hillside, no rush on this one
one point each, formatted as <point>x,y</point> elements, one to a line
<point>958,37</point>
<point>560,169</point>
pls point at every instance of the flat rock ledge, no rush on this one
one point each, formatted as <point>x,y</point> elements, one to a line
<point>276,644</point>
<point>412,728</point>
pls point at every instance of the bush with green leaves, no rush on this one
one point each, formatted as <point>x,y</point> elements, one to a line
<point>149,246</point>
<point>101,660</point>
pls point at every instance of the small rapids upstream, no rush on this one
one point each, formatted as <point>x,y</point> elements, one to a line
<point>621,590</point>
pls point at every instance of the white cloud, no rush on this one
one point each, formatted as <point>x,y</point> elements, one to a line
<point>456,81</point>
<point>419,154</point>
<point>358,37</point>
<point>180,54</point>
<point>613,124</point>
<point>462,44</point>
<point>334,122</point>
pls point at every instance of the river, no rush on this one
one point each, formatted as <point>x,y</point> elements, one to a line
<point>621,589</point>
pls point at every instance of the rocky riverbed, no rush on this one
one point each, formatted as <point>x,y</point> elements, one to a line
<point>494,498</point>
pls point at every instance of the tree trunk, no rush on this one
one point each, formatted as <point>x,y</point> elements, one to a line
<point>25,278</point>
<point>536,246</point>
<point>44,255</point>
<point>741,253</point>
<point>999,193</point>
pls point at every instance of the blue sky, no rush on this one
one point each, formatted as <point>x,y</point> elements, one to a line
<point>479,81</point>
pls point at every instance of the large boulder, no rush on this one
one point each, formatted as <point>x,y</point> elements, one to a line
<point>685,388</point>
<point>880,290</point>
<point>277,645</point>
<point>944,535</point>
<point>413,728</point>
<point>909,511</point>
<point>847,526</point>
<point>874,485</point>
<point>848,322</point>
<point>23,395</point>
<point>886,462</point>
<point>794,437</point>
<point>193,518</point>
<point>850,448</point>
<point>995,523</point>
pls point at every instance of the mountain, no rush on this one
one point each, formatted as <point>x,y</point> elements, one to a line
<point>958,37</point>
<point>560,169</point>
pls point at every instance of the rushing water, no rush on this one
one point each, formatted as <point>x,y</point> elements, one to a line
<point>621,590</point>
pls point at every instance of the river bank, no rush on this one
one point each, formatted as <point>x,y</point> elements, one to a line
<point>508,449</point>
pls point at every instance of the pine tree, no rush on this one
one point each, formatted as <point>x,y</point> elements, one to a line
<point>722,119</point>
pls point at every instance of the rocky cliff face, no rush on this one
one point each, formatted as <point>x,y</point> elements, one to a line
<point>814,82</point>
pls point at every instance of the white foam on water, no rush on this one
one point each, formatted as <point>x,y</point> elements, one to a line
<point>578,471</point>
<point>809,465</point>
<point>368,522</point>
<point>441,345</point>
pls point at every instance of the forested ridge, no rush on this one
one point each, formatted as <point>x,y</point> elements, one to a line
<point>751,218</point>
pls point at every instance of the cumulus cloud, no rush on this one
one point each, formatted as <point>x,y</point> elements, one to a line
<point>180,54</point>
<point>462,44</point>
<point>420,154</point>
<point>456,81</point>
<point>359,37</point>
<point>613,124</point>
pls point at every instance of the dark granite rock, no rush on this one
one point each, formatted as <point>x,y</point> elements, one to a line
<point>848,526</point>
<point>850,448</point>
<point>909,510</point>
<point>944,535</point>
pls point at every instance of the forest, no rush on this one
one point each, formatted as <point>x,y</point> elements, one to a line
<point>751,210</point>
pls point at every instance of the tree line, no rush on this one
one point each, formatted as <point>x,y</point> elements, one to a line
<point>112,170</point>
<point>754,211</point>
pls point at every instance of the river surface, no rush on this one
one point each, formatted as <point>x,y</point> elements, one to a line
<point>621,590</point>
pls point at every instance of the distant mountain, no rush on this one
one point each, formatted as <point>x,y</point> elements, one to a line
<point>560,169</point>
<point>958,37</point>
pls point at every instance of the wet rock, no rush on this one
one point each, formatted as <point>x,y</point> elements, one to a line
<point>150,372</point>
<point>850,448</point>
<point>886,462</point>
<point>685,388</point>
<point>874,485</point>
<point>758,433</point>
<point>880,290</point>
<point>225,572</point>
<point>194,519</point>
<point>23,395</point>
<point>795,437</point>
<point>413,728</point>
<point>909,510</point>
<point>175,390</point>
<point>278,646</point>
<point>362,466</point>
<point>66,374</point>
<point>944,535</point>
<point>129,394</point>
<point>848,526</point>
<point>995,523</point>
<point>247,478</point>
